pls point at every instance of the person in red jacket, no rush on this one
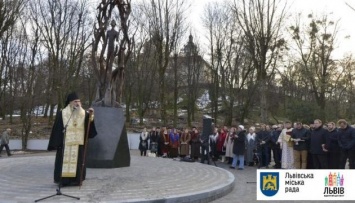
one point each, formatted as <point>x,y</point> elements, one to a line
<point>221,151</point>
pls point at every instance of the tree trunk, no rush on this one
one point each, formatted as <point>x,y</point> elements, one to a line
<point>216,88</point>
<point>175,90</point>
<point>162,98</point>
<point>322,114</point>
<point>128,104</point>
<point>263,101</point>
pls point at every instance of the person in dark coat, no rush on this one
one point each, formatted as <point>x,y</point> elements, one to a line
<point>300,137</point>
<point>262,138</point>
<point>239,148</point>
<point>213,144</point>
<point>318,140</point>
<point>310,156</point>
<point>161,141</point>
<point>275,146</point>
<point>332,147</point>
<point>143,142</point>
<point>195,144</point>
<point>71,122</point>
<point>347,144</point>
<point>269,144</point>
<point>154,139</point>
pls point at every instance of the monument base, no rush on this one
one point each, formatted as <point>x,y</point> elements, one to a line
<point>109,149</point>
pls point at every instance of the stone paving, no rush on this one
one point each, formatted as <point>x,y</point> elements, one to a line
<point>25,178</point>
<point>26,185</point>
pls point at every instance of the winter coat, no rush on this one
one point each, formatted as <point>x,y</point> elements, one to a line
<point>318,137</point>
<point>228,143</point>
<point>347,138</point>
<point>143,141</point>
<point>239,143</point>
<point>302,134</point>
<point>5,138</point>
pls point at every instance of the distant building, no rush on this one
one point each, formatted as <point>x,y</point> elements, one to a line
<point>191,67</point>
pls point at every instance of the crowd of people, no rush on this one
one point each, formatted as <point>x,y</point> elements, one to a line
<point>289,145</point>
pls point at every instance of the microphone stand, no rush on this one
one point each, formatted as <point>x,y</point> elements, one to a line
<point>205,152</point>
<point>61,169</point>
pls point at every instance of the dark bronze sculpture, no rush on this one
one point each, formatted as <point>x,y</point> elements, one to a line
<point>118,44</point>
<point>110,51</point>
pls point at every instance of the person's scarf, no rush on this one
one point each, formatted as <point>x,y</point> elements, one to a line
<point>251,136</point>
<point>144,135</point>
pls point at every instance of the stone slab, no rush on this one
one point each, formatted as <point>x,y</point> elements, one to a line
<point>110,148</point>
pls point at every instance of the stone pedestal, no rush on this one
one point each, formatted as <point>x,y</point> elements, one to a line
<point>109,149</point>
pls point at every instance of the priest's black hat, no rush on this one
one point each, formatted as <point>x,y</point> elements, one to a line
<point>71,97</point>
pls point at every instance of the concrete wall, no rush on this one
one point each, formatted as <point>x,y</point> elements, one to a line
<point>133,141</point>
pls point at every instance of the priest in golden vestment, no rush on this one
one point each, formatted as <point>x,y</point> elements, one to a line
<point>69,131</point>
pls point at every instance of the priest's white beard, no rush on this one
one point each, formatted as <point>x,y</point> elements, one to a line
<point>79,112</point>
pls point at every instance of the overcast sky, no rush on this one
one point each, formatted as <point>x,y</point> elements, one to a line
<point>337,8</point>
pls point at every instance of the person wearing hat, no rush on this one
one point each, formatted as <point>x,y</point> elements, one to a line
<point>5,137</point>
<point>68,139</point>
<point>239,148</point>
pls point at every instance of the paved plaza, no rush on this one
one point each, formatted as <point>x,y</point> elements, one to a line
<point>27,177</point>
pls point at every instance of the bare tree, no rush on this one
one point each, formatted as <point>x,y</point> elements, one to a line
<point>165,20</point>
<point>345,89</point>
<point>315,45</point>
<point>262,24</point>
<point>10,11</point>
<point>230,62</point>
<point>63,27</point>
<point>28,81</point>
<point>214,21</point>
